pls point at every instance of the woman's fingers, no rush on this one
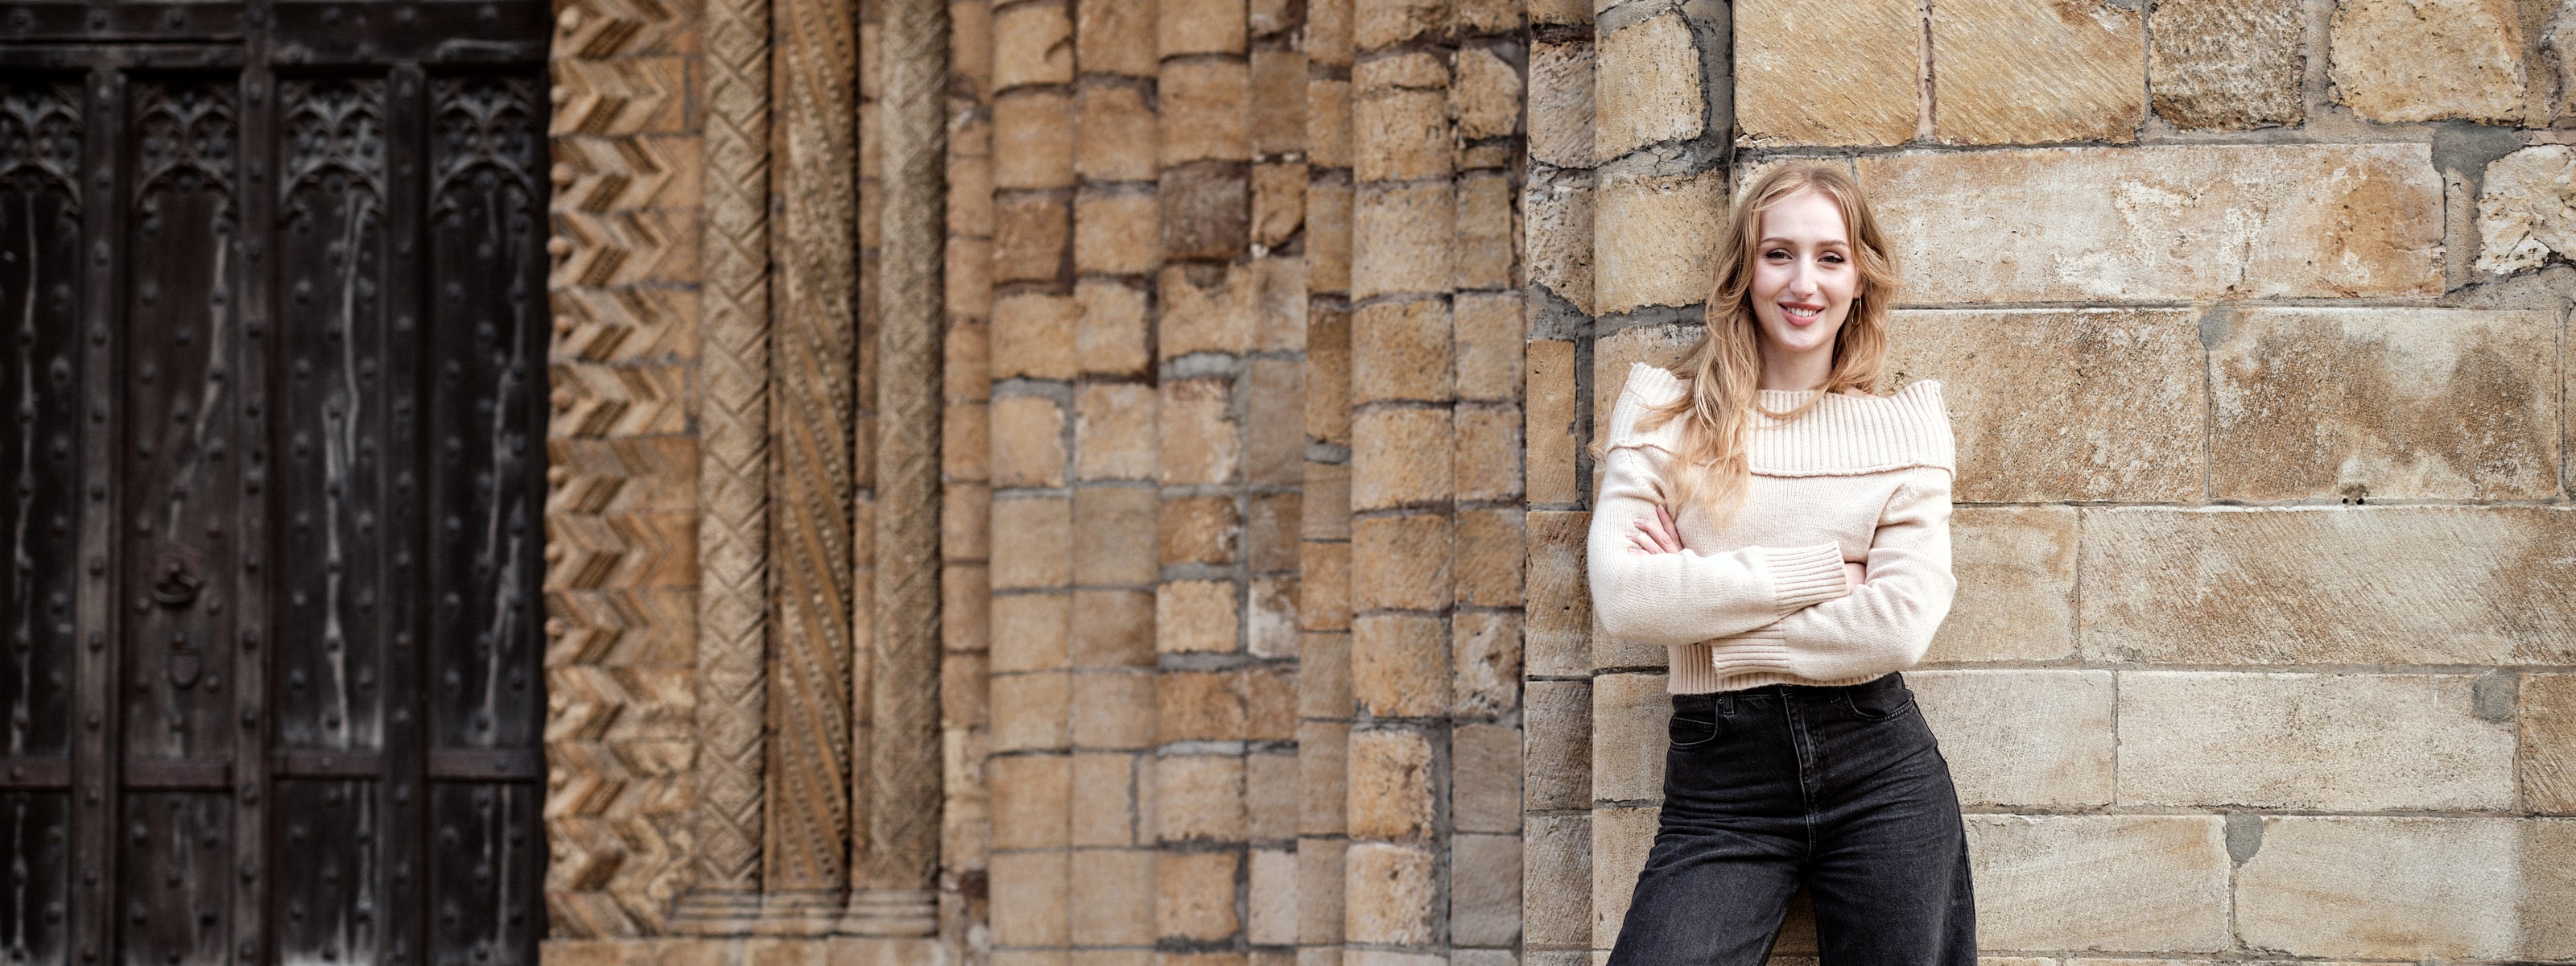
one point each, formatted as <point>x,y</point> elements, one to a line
<point>1666,531</point>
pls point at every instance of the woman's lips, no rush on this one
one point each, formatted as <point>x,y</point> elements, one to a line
<point>1801,314</point>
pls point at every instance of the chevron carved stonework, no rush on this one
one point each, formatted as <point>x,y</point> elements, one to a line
<point>622,507</point>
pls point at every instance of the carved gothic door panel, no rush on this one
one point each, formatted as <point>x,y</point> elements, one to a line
<point>272,279</point>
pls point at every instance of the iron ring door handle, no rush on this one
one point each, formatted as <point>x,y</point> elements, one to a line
<point>177,587</point>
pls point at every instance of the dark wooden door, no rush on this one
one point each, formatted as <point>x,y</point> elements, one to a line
<point>272,283</point>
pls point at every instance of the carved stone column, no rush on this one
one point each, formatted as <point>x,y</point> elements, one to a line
<point>895,892</point>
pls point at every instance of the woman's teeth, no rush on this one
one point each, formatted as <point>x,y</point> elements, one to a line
<point>1802,312</point>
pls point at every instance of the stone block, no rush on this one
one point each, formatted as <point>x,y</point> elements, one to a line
<point>1270,707</point>
<point>2330,742</point>
<point>1033,336</point>
<point>1104,806</point>
<point>1029,798</point>
<point>1393,22</point>
<point>1185,27</point>
<point>2524,215</point>
<point>1392,788</point>
<point>2161,223</point>
<point>2228,65</point>
<point>1484,664</point>
<point>1029,711</point>
<point>1489,559</point>
<point>1556,881</point>
<point>1485,778</point>
<point>1202,104</point>
<point>1558,723</point>
<point>1195,616</point>
<point>1113,431</point>
<point>1630,713</point>
<point>1651,239</point>
<point>1270,799</point>
<point>1270,624</point>
<point>1113,536</point>
<point>1278,203</point>
<point>1393,892</point>
<point>1400,118</point>
<point>1110,338</point>
<point>1029,898</point>
<point>2020,384</point>
<point>1032,44</point>
<point>1328,123</point>
<point>1488,234</point>
<point>1403,239</point>
<point>1400,457</point>
<point>1270,532</point>
<point>1397,666</point>
<point>2009,72</point>
<point>1028,442</point>
<point>2382,585</point>
<point>1116,231</point>
<point>1031,233</point>
<point>1113,628</point>
<point>1199,706</point>
<point>1115,904</point>
<point>1199,530</point>
<point>1325,511</point>
<point>2023,738</point>
<point>2395,61</point>
<point>1484,890</point>
<point>1113,709</point>
<point>1033,140</point>
<point>1205,310</point>
<point>1271,914</point>
<point>1194,895</point>
<point>1206,211</point>
<point>1647,86</point>
<point>1201,443</point>
<point>1319,898</point>
<point>2386,403</point>
<point>1822,72</point>
<point>1556,238</point>
<point>1621,838</point>
<point>1489,453</point>
<point>1402,351</point>
<point>1199,797</point>
<point>1486,329</point>
<point>2548,762</point>
<point>1486,95</point>
<point>1278,108</point>
<point>1550,426</point>
<point>1039,550</point>
<point>2411,888</point>
<point>1115,134</point>
<point>2016,572</point>
<point>1323,795</point>
<point>1559,608</point>
<point>2112,883</point>
<point>1324,587</point>
<point>1560,103</point>
<point>1116,37</point>
<point>1401,562</point>
<point>1030,632</point>
<point>1275,440</point>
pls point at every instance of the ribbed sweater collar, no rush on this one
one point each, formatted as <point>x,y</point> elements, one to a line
<point>1842,435</point>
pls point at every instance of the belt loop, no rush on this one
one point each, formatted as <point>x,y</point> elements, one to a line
<point>1726,704</point>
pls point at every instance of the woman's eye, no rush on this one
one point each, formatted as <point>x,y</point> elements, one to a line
<point>1776,253</point>
<point>1837,259</point>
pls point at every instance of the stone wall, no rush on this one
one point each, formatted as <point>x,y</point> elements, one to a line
<point>1276,334</point>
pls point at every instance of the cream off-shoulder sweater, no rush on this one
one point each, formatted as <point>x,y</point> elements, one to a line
<point>1761,599</point>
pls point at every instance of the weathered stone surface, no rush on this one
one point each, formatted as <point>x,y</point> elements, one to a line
<point>1401,118</point>
<point>1621,837</point>
<point>2394,61</point>
<point>2411,888</point>
<point>2228,65</point>
<point>1401,457</point>
<point>1114,133</point>
<point>1032,44</point>
<point>2016,572</point>
<point>1557,235</point>
<point>1392,891</point>
<point>1272,894</point>
<point>2398,585</point>
<point>1402,239</point>
<point>2161,223</point>
<point>1029,898</point>
<point>1629,714</point>
<point>1489,345</point>
<point>2022,738</point>
<point>2549,743</point>
<point>1559,603</point>
<point>2527,209</point>
<point>2015,72</point>
<point>1827,72</point>
<point>1550,425</point>
<point>2389,403</point>
<point>1115,904</point>
<point>1484,890</point>
<point>1558,766</point>
<point>1398,666</point>
<point>1485,778</point>
<point>1488,234</point>
<point>1033,140</point>
<point>1647,87</point>
<point>2064,404</point>
<point>1556,880</point>
<point>1401,562</point>
<point>1487,95</point>
<point>1653,239</point>
<point>1484,664</point>
<point>1194,895</point>
<point>2335,742</point>
<point>2112,883</point>
<point>1560,104</point>
<point>1198,797</point>
<point>1195,615</point>
<point>1402,351</point>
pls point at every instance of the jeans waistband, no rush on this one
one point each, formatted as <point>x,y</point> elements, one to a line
<point>1812,694</point>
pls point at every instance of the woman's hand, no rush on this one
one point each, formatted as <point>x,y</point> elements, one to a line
<point>1854,573</point>
<point>1655,534</point>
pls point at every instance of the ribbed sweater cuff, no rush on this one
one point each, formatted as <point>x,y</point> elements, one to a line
<point>1806,575</point>
<point>1730,662</point>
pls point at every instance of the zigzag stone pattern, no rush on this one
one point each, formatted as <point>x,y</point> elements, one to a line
<point>621,511</point>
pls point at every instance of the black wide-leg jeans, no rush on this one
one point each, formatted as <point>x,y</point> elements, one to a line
<point>1840,789</point>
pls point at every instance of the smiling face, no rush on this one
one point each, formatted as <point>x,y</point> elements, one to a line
<point>1802,288</point>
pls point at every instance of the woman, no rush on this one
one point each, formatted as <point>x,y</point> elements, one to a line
<point>1785,533</point>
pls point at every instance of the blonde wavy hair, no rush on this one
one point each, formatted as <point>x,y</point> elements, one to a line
<point>1725,366</point>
